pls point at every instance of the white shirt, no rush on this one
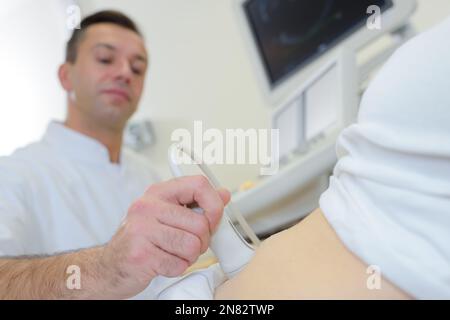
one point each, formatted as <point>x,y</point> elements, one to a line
<point>62,193</point>
<point>389,197</point>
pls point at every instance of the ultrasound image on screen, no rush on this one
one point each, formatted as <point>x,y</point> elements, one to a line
<point>290,33</point>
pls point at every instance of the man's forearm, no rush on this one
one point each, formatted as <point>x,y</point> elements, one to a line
<point>158,237</point>
<point>49,277</point>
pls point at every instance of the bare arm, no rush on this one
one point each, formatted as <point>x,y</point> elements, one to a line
<point>159,236</point>
<point>47,277</point>
<point>307,261</point>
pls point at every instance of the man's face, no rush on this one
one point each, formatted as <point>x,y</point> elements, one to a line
<point>108,75</point>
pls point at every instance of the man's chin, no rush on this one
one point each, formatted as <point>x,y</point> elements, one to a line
<point>115,116</point>
<point>118,103</point>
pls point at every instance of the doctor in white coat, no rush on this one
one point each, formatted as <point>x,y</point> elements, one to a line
<point>72,189</point>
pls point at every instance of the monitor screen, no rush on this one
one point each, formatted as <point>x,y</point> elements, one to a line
<point>290,33</point>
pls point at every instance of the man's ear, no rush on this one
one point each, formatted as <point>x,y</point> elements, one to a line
<point>64,77</point>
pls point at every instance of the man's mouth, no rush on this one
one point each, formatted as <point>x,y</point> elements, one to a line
<point>117,92</point>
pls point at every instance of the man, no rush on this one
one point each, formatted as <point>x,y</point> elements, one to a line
<point>71,190</point>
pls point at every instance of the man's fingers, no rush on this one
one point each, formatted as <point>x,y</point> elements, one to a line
<point>187,190</point>
<point>166,264</point>
<point>225,195</point>
<point>177,242</point>
<point>186,219</point>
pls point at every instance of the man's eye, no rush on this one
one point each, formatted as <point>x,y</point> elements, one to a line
<point>105,60</point>
<point>137,68</point>
<point>137,71</point>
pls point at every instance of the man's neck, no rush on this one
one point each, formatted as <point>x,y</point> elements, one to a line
<point>111,139</point>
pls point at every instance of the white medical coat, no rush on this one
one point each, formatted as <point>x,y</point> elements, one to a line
<point>62,193</point>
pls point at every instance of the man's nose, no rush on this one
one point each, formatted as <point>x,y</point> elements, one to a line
<point>123,72</point>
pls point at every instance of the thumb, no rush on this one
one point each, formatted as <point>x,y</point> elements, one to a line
<point>225,195</point>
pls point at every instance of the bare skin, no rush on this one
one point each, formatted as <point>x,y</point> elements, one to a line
<point>105,83</point>
<point>159,236</point>
<point>307,261</point>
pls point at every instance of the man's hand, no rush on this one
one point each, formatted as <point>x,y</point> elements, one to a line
<point>161,235</point>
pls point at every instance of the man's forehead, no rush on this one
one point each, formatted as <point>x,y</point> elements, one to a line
<point>114,36</point>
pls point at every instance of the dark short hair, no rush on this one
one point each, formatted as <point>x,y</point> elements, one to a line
<point>106,16</point>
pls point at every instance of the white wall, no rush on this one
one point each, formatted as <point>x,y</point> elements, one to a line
<point>31,33</point>
<point>199,69</point>
<point>430,12</point>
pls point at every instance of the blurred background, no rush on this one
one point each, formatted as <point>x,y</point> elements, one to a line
<point>200,70</point>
